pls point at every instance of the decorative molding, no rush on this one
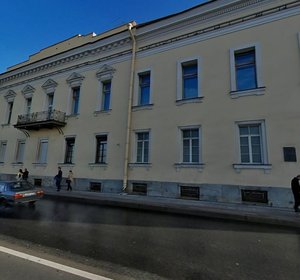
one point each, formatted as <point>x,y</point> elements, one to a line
<point>49,86</point>
<point>10,96</point>
<point>28,91</point>
<point>105,73</point>
<point>75,79</point>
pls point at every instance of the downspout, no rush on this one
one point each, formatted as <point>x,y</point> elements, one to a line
<point>129,110</point>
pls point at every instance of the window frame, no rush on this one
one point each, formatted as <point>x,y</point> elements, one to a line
<point>142,87</point>
<point>20,152</point>
<point>69,150</point>
<point>190,162</point>
<point>264,148</point>
<point>10,106</point>
<point>3,148</point>
<point>259,89</point>
<point>42,159</point>
<point>180,74</point>
<point>100,151</point>
<point>104,94</point>
<point>75,100</point>
<point>145,158</point>
<point>137,90</point>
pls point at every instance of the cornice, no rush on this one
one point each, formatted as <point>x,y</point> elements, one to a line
<point>86,53</point>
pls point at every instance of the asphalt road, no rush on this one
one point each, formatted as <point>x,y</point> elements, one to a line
<point>130,244</point>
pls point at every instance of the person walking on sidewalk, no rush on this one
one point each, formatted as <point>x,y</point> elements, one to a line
<point>70,180</point>
<point>296,192</point>
<point>58,178</point>
<point>25,174</point>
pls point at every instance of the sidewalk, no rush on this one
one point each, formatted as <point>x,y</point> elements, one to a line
<point>232,211</point>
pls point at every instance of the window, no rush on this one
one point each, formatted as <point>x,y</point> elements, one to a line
<point>245,69</point>
<point>75,100</point>
<point>101,149</point>
<point>191,145</point>
<point>9,111</point>
<point>251,143</point>
<point>289,154</point>
<point>106,92</point>
<point>70,142</point>
<point>50,98</point>
<point>28,105</point>
<point>142,155</point>
<point>20,151</point>
<point>189,80</point>
<point>3,145</point>
<point>42,151</point>
<point>144,89</point>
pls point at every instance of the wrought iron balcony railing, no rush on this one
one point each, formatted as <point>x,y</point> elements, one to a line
<point>38,120</point>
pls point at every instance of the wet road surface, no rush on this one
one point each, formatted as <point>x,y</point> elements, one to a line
<point>132,244</point>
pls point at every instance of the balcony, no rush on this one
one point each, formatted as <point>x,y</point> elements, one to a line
<point>39,120</point>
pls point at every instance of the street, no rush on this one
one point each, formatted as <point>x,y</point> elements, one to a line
<point>121,243</point>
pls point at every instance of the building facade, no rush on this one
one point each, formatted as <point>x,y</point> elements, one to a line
<point>203,104</point>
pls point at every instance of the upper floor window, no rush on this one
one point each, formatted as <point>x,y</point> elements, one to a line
<point>28,105</point>
<point>245,70</point>
<point>101,149</point>
<point>106,93</point>
<point>75,100</point>
<point>188,79</point>
<point>3,145</point>
<point>142,147</point>
<point>50,98</point>
<point>69,154</point>
<point>9,111</point>
<point>190,145</point>
<point>144,89</point>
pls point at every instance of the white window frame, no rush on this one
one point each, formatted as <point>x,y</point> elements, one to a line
<point>102,99</point>
<point>28,105</point>
<point>42,156</point>
<point>136,132</point>
<point>9,111</point>
<point>180,133</point>
<point>20,152</point>
<point>264,154</point>
<point>3,147</point>
<point>179,91</point>
<point>258,64</point>
<point>136,97</point>
<point>96,145</point>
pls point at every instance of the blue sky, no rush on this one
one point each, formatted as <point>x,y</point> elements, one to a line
<point>29,26</point>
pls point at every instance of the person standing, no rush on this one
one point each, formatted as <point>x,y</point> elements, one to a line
<point>296,192</point>
<point>19,175</point>
<point>58,178</point>
<point>70,180</point>
<point>25,174</point>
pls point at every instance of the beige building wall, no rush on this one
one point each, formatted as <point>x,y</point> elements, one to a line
<point>209,34</point>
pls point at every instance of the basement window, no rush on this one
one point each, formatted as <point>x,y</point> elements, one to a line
<point>190,192</point>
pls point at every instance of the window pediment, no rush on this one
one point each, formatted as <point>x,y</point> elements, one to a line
<point>28,91</point>
<point>75,79</point>
<point>49,86</point>
<point>105,73</point>
<point>10,96</point>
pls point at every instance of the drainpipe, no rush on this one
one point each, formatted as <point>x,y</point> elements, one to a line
<point>129,110</point>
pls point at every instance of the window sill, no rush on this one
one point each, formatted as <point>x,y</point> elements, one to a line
<point>266,167</point>
<point>66,164</point>
<point>98,165</point>
<point>142,107</point>
<point>39,164</point>
<point>189,100</point>
<point>140,164</point>
<point>17,164</point>
<point>5,124</point>
<point>72,116</point>
<point>248,92</point>
<point>199,166</point>
<point>102,112</point>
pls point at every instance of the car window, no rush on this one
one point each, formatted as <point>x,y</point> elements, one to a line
<point>2,187</point>
<point>20,186</point>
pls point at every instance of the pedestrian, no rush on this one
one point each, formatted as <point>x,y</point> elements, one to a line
<point>19,175</point>
<point>58,178</point>
<point>25,174</point>
<point>70,180</point>
<point>296,192</point>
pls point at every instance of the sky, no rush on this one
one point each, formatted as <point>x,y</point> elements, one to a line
<point>28,26</point>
